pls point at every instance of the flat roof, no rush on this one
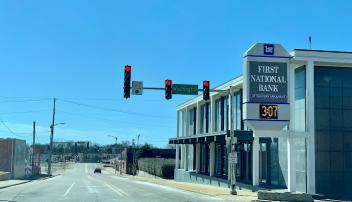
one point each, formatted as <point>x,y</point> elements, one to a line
<point>212,88</point>
<point>325,51</point>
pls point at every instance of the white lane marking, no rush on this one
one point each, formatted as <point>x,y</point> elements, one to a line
<point>112,187</point>
<point>167,188</point>
<point>69,189</point>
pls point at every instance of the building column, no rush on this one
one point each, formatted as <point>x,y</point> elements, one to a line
<point>184,123</point>
<point>212,159</point>
<point>197,157</point>
<point>177,162</point>
<point>187,122</point>
<point>178,124</point>
<point>310,127</point>
<point>182,156</point>
<point>186,157</point>
<point>212,114</point>
<point>255,161</point>
<point>198,119</point>
<point>291,184</point>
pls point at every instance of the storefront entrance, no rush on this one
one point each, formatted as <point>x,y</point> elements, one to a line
<point>244,165</point>
<point>268,162</point>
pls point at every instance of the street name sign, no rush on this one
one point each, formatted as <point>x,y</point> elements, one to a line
<point>184,89</point>
<point>137,87</point>
<point>266,80</point>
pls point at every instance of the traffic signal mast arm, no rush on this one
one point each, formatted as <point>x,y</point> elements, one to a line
<point>190,89</point>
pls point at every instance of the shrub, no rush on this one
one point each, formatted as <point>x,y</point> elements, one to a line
<point>160,167</point>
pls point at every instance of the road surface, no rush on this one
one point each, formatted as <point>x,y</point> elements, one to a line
<point>81,184</point>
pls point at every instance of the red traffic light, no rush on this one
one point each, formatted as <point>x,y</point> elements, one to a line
<point>168,82</point>
<point>127,68</point>
<point>206,83</point>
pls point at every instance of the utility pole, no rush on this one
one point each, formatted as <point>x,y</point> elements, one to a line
<point>233,152</point>
<point>33,147</point>
<point>51,139</point>
<point>138,139</point>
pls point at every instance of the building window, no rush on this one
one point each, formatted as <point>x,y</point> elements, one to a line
<point>204,118</point>
<point>237,111</point>
<point>204,158</point>
<point>333,126</point>
<point>221,114</point>
<point>220,160</point>
<point>192,121</point>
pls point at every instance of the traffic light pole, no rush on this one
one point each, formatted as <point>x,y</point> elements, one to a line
<point>233,152</point>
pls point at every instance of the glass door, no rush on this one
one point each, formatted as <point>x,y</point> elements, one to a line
<point>264,161</point>
<point>244,164</point>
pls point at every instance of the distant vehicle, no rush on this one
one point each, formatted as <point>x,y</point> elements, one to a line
<point>97,170</point>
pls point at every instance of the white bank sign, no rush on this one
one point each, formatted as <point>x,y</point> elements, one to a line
<point>266,85</point>
<point>267,82</point>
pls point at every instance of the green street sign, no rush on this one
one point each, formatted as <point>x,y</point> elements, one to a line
<point>184,89</point>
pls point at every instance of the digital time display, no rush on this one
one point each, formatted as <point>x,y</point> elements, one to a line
<point>268,111</point>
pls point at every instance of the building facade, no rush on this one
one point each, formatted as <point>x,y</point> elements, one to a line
<point>312,154</point>
<point>13,157</point>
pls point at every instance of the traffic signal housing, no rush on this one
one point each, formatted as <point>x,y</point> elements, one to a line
<point>168,89</point>
<point>206,90</point>
<point>127,82</point>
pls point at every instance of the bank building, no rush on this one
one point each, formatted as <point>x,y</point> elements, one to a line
<point>292,124</point>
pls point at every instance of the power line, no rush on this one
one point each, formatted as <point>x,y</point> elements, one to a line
<point>115,110</point>
<point>111,120</point>
<point>11,131</point>
<point>24,100</point>
<point>24,112</point>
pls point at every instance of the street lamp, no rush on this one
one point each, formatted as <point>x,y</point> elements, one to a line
<point>113,137</point>
<point>51,145</point>
<point>62,123</point>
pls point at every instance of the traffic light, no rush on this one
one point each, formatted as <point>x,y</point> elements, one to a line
<point>127,82</point>
<point>168,89</point>
<point>206,90</point>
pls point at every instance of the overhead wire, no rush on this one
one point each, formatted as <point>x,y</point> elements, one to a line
<point>24,100</point>
<point>111,120</point>
<point>114,110</point>
<point>11,131</point>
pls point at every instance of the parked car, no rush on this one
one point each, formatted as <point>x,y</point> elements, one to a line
<point>97,170</point>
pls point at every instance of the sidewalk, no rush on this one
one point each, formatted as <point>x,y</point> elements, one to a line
<point>198,188</point>
<point>10,183</point>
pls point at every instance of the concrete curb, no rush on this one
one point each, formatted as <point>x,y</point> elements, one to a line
<point>11,185</point>
<point>182,188</point>
<point>15,184</point>
<point>285,196</point>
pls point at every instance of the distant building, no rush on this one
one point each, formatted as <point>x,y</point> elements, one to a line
<point>128,153</point>
<point>12,157</point>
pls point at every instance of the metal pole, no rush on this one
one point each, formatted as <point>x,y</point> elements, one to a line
<point>233,153</point>
<point>51,139</point>
<point>33,146</point>
<point>138,139</point>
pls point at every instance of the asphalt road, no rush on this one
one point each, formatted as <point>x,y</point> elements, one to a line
<point>81,184</point>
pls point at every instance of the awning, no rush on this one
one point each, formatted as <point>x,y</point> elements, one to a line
<point>218,137</point>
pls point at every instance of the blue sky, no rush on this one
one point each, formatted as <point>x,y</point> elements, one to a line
<point>76,50</point>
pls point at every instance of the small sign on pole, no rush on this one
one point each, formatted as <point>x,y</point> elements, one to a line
<point>137,87</point>
<point>233,157</point>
